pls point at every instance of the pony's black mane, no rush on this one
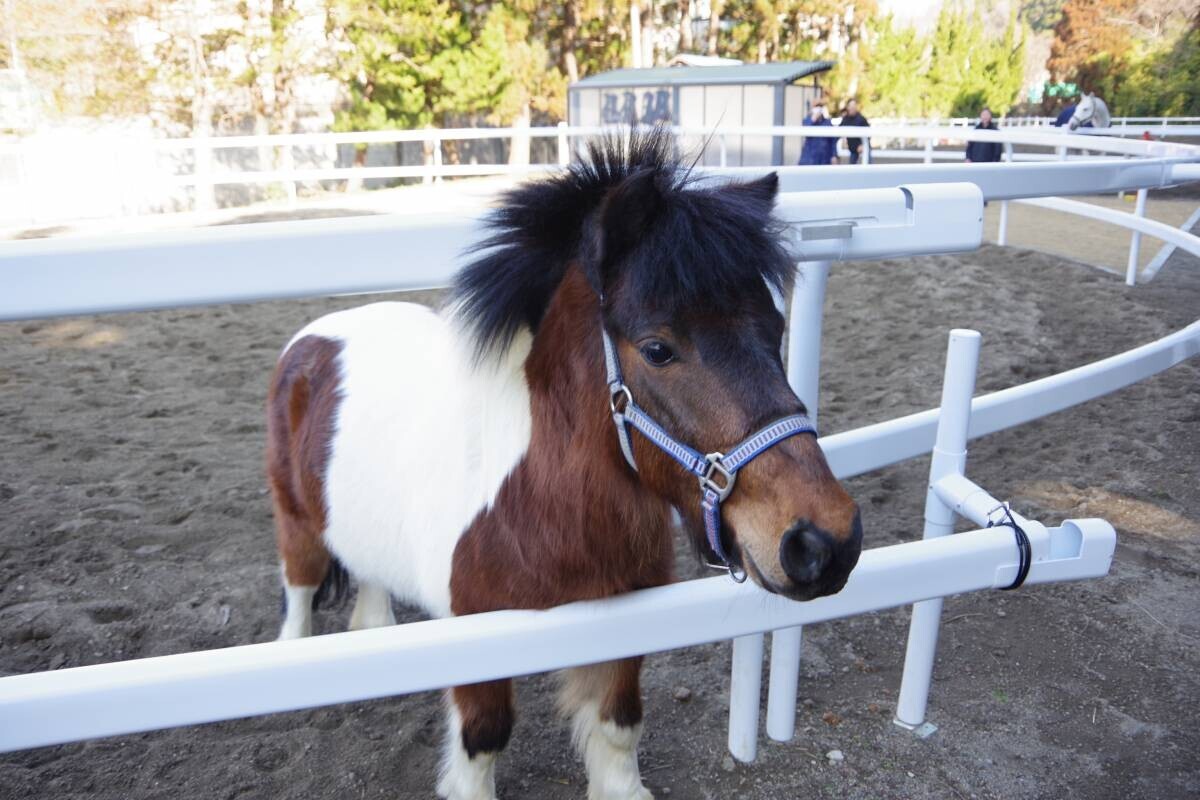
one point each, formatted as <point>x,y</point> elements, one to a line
<point>630,207</point>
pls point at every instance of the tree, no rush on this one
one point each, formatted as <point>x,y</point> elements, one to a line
<point>81,57</point>
<point>505,75</point>
<point>896,70</point>
<point>384,56</point>
<point>1090,44</point>
<point>1166,80</point>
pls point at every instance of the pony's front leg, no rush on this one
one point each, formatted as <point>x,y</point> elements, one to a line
<point>480,722</point>
<point>605,704</point>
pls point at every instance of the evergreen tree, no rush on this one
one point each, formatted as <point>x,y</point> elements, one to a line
<point>896,70</point>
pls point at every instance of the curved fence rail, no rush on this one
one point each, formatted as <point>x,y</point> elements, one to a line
<point>112,176</point>
<point>244,263</point>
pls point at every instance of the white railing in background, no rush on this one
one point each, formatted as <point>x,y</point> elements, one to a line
<point>119,177</point>
<point>49,277</point>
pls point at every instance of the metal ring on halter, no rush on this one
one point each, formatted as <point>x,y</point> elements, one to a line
<point>715,466</point>
<point>620,389</point>
<point>738,577</point>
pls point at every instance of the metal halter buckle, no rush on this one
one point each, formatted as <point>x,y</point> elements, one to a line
<point>614,393</point>
<point>715,466</point>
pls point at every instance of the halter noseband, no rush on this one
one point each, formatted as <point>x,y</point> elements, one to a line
<point>717,472</point>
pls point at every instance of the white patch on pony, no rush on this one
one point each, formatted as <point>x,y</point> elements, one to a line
<point>297,620</point>
<point>610,754</point>
<point>463,777</point>
<point>372,608</point>
<point>423,439</point>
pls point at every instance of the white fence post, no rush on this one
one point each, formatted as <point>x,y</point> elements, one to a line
<point>929,151</point>
<point>287,163</point>
<point>1135,241</point>
<point>1002,234</point>
<point>804,373</point>
<point>564,145</point>
<point>437,159</point>
<point>949,456</point>
<point>724,153</point>
<point>745,688</point>
<point>204,192</point>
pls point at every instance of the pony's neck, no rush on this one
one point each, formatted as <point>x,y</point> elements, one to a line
<point>565,374</point>
<point>573,445</point>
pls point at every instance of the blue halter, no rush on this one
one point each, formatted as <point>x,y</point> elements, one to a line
<point>705,468</point>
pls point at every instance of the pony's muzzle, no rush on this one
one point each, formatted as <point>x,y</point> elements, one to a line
<point>816,562</point>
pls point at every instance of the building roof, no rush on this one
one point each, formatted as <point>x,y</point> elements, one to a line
<point>701,60</point>
<point>783,72</point>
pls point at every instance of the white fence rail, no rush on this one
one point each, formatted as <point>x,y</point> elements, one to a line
<point>127,697</point>
<point>281,260</point>
<point>119,177</point>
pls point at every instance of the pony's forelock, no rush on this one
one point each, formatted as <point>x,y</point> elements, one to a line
<point>671,240</point>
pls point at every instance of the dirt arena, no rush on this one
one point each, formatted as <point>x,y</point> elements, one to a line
<point>134,522</point>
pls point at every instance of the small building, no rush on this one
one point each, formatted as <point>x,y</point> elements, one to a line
<point>707,98</point>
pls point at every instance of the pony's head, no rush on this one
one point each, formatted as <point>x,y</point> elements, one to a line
<point>680,274</point>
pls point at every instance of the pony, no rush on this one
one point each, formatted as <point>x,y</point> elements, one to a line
<point>1091,109</point>
<point>481,457</point>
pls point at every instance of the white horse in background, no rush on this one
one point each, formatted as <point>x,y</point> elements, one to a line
<point>1090,109</point>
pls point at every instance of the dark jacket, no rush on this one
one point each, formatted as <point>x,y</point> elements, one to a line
<point>857,120</point>
<point>817,150</point>
<point>980,152</point>
<point>1064,117</point>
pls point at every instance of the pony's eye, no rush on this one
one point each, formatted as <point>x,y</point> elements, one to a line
<point>657,353</point>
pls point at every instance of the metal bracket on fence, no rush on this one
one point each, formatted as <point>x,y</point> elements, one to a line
<point>837,230</point>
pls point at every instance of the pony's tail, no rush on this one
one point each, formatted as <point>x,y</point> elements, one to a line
<point>334,589</point>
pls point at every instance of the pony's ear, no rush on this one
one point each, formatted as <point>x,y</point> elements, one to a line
<point>758,194</point>
<point>623,219</point>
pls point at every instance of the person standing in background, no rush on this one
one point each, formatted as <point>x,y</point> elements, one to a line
<point>818,150</point>
<point>854,118</point>
<point>983,152</point>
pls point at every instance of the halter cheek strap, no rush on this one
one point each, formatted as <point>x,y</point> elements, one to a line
<point>717,472</point>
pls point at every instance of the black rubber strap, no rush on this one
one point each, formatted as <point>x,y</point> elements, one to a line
<point>1024,549</point>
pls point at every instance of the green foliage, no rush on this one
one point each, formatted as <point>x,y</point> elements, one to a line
<point>413,63</point>
<point>503,74</point>
<point>1165,81</point>
<point>1041,15</point>
<point>897,84</point>
<point>955,70</point>
<point>408,63</point>
<point>968,71</point>
<point>1142,56</point>
<point>391,55</point>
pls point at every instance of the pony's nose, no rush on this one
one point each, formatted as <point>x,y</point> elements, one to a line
<point>804,552</point>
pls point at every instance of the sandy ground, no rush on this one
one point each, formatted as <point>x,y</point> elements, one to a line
<point>1090,241</point>
<point>134,522</point>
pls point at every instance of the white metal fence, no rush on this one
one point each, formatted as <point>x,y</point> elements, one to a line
<point>112,176</point>
<point>70,276</point>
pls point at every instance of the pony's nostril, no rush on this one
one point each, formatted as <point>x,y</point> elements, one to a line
<point>804,553</point>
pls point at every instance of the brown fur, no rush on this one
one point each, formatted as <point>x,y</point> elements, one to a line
<point>487,715</point>
<point>300,406</point>
<point>612,685</point>
<point>571,522</point>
